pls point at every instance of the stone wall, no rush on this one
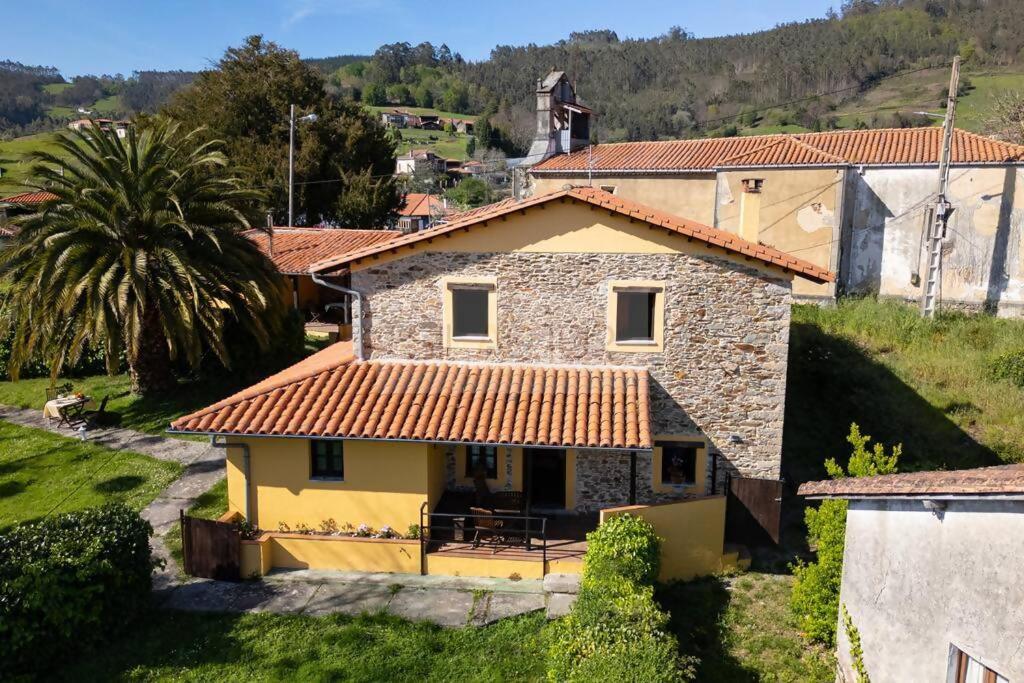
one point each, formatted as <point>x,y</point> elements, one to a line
<point>722,373</point>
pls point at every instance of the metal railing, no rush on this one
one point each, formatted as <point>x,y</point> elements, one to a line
<point>509,526</point>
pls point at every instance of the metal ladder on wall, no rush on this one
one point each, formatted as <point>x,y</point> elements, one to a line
<point>938,216</point>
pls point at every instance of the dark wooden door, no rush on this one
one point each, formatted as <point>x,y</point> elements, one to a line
<point>753,511</point>
<point>545,477</point>
<point>212,550</point>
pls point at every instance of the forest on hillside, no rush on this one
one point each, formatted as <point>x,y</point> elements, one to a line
<point>673,85</point>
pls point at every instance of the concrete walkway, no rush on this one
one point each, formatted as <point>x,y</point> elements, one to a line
<point>448,601</point>
<point>204,467</point>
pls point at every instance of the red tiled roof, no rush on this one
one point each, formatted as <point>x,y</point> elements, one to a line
<point>296,249</point>
<point>422,205</point>
<point>333,395</point>
<point>881,147</point>
<point>29,198</point>
<point>1003,479</point>
<point>679,226</point>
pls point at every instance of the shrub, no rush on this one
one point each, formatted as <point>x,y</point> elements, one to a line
<point>815,596</point>
<point>616,631</point>
<point>69,582</point>
<point>624,545</point>
<point>1008,366</point>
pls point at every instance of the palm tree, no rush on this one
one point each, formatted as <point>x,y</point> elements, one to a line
<point>141,253</point>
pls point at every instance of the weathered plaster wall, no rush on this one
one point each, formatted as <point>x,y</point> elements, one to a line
<point>983,256</point>
<point>690,195</point>
<point>799,214</point>
<point>915,583</point>
<point>723,370</point>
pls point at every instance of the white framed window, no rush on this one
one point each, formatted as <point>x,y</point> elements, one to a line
<point>470,312</point>
<point>636,316</point>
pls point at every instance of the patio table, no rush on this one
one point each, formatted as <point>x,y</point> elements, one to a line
<point>58,408</point>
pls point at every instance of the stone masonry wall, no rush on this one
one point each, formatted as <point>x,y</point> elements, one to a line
<point>722,373</point>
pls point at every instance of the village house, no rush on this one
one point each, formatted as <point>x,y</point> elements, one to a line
<point>854,202</point>
<point>16,204</point>
<point>294,250</point>
<point>420,211</point>
<point>562,358</point>
<point>120,128</point>
<point>420,161</point>
<point>929,574</point>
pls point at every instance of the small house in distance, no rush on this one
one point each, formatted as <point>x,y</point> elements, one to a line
<point>24,202</point>
<point>421,211</point>
<point>932,574</point>
<point>420,160</point>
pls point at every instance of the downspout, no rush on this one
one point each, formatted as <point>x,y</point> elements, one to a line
<point>246,472</point>
<point>357,312</point>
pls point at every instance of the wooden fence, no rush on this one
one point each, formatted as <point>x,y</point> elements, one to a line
<point>212,550</point>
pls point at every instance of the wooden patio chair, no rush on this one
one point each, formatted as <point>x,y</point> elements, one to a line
<point>508,500</point>
<point>58,390</point>
<point>488,529</point>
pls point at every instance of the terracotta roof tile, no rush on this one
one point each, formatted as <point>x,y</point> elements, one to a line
<point>597,197</point>
<point>296,249</point>
<point>1003,479</point>
<point>429,205</point>
<point>333,395</point>
<point>881,147</point>
<point>29,198</point>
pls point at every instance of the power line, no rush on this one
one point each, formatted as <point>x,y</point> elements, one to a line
<point>808,98</point>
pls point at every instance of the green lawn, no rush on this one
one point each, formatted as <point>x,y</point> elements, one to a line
<point>429,111</point>
<point>442,144</point>
<point>145,414</point>
<point>179,646</point>
<point>741,630</point>
<point>43,473</point>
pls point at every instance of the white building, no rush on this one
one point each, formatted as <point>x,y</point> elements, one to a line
<point>933,578</point>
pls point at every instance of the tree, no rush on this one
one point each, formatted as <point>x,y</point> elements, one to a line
<point>471,193</point>
<point>470,146</point>
<point>815,597</point>
<point>143,252</point>
<point>1007,119</point>
<point>245,102</point>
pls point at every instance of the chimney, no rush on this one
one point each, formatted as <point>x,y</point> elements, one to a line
<point>750,209</point>
<point>270,235</point>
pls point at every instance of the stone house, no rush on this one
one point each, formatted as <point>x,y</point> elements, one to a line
<point>931,574</point>
<point>577,349</point>
<point>853,202</point>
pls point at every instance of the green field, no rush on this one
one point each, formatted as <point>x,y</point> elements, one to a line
<point>437,141</point>
<point>43,473</point>
<point>15,171</point>
<point>423,110</point>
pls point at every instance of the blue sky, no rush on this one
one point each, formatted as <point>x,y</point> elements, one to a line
<point>81,37</point>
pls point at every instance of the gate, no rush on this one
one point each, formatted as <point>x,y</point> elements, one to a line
<point>754,510</point>
<point>212,549</point>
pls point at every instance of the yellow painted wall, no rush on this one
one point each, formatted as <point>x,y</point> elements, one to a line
<point>693,533</point>
<point>571,228</point>
<point>436,477</point>
<point>296,551</point>
<point>385,484</point>
<point>799,214</point>
<point>455,565</point>
<point>690,196</point>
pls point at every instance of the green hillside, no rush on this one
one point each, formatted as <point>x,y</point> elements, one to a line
<point>15,170</point>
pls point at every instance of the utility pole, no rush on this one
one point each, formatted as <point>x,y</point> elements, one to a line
<point>291,165</point>
<point>938,218</point>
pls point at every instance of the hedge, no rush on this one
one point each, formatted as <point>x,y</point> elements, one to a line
<point>616,631</point>
<point>69,582</point>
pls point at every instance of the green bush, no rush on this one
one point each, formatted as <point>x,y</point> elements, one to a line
<point>92,362</point>
<point>69,582</point>
<point>616,631</point>
<point>1008,366</point>
<point>624,545</point>
<point>815,597</point>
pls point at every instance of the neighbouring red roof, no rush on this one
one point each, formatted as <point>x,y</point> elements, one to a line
<point>427,205</point>
<point>29,198</point>
<point>333,395</point>
<point>296,249</point>
<point>1003,479</point>
<point>880,147</point>
<point>680,226</point>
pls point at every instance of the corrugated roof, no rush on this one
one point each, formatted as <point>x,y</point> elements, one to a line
<point>690,229</point>
<point>296,249</point>
<point>1003,479</point>
<point>880,147</point>
<point>28,198</point>
<point>335,396</point>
